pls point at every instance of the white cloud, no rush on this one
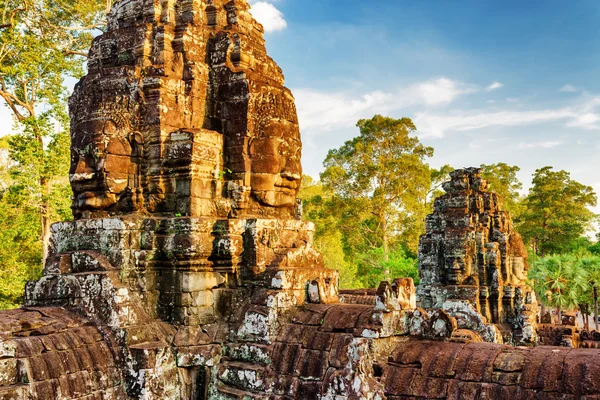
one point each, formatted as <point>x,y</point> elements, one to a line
<point>428,105</point>
<point>268,15</point>
<point>569,89</point>
<point>585,121</point>
<point>437,125</point>
<point>325,110</point>
<point>494,86</point>
<point>584,114</point>
<point>543,145</point>
<point>439,91</point>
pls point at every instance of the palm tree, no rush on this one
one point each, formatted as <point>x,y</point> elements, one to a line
<point>591,265</point>
<point>559,281</point>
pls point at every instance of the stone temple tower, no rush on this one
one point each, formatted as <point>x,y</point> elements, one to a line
<point>185,169</point>
<point>471,257</point>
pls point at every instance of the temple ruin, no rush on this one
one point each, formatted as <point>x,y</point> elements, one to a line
<point>473,263</point>
<point>188,272</point>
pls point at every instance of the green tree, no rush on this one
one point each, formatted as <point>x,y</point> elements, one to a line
<point>591,265</point>
<point>438,177</point>
<point>559,281</point>
<point>42,42</point>
<point>555,211</point>
<point>502,179</point>
<point>20,247</point>
<point>317,208</point>
<point>382,176</point>
<point>375,266</point>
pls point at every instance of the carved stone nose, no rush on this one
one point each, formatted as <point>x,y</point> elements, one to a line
<point>82,172</point>
<point>292,170</point>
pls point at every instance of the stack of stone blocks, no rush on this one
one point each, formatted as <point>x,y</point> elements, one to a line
<point>473,263</point>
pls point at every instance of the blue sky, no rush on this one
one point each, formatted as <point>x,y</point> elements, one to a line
<point>484,81</point>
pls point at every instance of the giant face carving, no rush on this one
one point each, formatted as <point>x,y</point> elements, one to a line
<point>275,158</point>
<point>101,165</point>
<point>459,271</point>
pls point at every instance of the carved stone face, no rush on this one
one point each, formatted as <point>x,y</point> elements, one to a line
<point>459,271</point>
<point>275,158</point>
<point>101,165</point>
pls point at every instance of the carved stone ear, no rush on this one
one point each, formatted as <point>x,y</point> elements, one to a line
<point>136,137</point>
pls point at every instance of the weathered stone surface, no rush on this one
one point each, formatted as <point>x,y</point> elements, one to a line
<point>182,111</point>
<point>188,274</point>
<point>482,370</point>
<point>471,255</point>
<point>70,359</point>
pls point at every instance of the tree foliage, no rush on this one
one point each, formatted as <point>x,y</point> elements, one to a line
<point>502,179</point>
<point>375,266</point>
<point>568,281</point>
<point>437,178</point>
<point>41,43</point>
<point>382,176</point>
<point>558,281</point>
<point>316,204</point>
<point>555,211</point>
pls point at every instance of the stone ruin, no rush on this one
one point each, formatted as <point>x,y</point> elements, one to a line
<point>188,273</point>
<point>473,263</point>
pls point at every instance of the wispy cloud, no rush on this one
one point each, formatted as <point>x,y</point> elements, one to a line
<point>494,86</point>
<point>437,125</point>
<point>268,15</point>
<point>429,105</point>
<point>325,110</point>
<point>439,91</point>
<point>568,89</point>
<point>543,145</point>
<point>583,116</point>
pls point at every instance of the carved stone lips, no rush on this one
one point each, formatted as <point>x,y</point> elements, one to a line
<point>287,186</point>
<point>86,185</point>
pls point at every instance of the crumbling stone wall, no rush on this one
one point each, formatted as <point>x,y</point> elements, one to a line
<point>435,370</point>
<point>48,353</point>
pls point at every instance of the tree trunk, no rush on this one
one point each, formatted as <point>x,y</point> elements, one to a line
<point>543,312</point>
<point>385,239</point>
<point>44,220</point>
<point>44,207</point>
<point>587,321</point>
<point>596,307</point>
<point>386,250</point>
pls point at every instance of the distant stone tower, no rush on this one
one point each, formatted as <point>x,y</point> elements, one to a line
<point>471,255</point>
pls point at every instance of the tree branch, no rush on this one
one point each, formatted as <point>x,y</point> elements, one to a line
<point>12,18</point>
<point>75,53</point>
<point>11,100</point>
